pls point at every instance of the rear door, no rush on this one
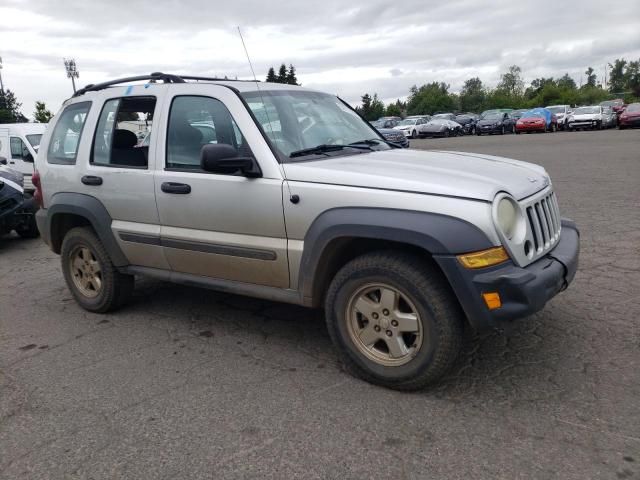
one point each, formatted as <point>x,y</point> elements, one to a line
<point>224,226</point>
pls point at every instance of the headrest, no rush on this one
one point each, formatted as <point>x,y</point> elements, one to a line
<point>124,139</point>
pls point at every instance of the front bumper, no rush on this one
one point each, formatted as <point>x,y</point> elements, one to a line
<point>630,122</point>
<point>489,128</point>
<point>584,124</point>
<point>523,291</point>
<point>530,127</point>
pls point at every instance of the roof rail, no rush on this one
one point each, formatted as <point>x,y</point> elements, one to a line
<point>154,77</point>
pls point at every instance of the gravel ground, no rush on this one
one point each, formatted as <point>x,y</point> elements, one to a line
<point>188,383</point>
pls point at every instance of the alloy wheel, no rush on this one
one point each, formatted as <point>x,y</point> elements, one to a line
<point>85,271</point>
<point>384,324</point>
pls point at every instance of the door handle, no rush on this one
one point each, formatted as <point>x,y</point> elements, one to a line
<point>173,187</point>
<point>91,180</point>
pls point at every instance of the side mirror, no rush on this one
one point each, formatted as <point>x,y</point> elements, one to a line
<point>3,161</point>
<point>27,157</point>
<point>223,158</point>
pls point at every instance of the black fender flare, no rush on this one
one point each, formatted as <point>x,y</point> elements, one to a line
<point>433,232</point>
<point>94,212</point>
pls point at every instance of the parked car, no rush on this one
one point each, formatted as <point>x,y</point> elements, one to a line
<point>19,144</point>
<point>562,113</point>
<point>441,127</point>
<point>394,136</point>
<point>445,116</point>
<point>468,122</point>
<point>412,127</point>
<point>586,117</point>
<point>617,105</point>
<point>516,114</point>
<point>17,209</point>
<point>496,110</point>
<point>630,117</point>
<point>609,118</point>
<point>495,122</point>
<point>537,120</point>
<point>400,247</point>
<point>386,122</point>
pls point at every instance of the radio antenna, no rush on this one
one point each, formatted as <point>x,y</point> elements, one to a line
<point>264,105</point>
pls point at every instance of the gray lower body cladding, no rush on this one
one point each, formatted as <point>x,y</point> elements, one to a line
<point>523,291</point>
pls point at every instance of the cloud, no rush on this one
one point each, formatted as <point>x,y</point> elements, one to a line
<point>344,48</point>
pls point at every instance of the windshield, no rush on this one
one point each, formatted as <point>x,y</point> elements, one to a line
<point>298,120</point>
<point>408,121</point>
<point>556,109</point>
<point>34,140</point>
<point>442,115</point>
<point>584,110</point>
<point>532,115</point>
<point>634,107</point>
<point>611,103</point>
<point>492,116</point>
<point>438,121</point>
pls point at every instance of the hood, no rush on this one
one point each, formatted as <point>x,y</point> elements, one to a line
<point>404,127</point>
<point>457,174</point>
<point>435,126</point>
<point>10,178</point>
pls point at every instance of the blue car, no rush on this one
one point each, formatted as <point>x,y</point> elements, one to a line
<point>537,120</point>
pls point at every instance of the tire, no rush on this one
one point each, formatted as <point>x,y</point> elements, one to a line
<point>114,287</point>
<point>437,312</point>
<point>621,127</point>
<point>30,230</point>
<point>478,132</point>
<point>554,128</point>
<point>447,133</point>
<point>502,130</point>
<point>414,134</point>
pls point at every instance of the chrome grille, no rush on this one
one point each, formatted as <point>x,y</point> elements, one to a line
<point>544,222</point>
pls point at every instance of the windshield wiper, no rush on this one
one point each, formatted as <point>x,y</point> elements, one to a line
<point>320,149</point>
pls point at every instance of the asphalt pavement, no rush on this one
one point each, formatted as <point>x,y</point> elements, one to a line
<point>190,383</point>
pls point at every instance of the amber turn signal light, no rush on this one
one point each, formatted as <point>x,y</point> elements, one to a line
<point>492,299</point>
<point>484,258</point>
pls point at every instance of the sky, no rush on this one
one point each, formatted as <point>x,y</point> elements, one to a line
<point>342,47</point>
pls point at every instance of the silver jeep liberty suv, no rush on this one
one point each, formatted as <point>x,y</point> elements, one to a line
<point>285,193</point>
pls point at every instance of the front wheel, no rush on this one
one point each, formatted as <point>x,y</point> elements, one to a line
<point>394,320</point>
<point>414,134</point>
<point>502,130</point>
<point>93,280</point>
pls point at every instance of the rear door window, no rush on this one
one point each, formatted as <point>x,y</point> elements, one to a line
<point>123,134</point>
<point>63,145</point>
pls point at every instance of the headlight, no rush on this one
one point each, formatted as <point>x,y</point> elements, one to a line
<point>509,218</point>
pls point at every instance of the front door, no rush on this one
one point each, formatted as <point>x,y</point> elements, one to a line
<point>224,226</point>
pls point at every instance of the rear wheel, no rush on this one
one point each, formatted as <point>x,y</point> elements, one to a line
<point>394,320</point>
<point>93,280</point>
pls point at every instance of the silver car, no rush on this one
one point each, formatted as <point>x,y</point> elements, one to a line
<point>289,195</point>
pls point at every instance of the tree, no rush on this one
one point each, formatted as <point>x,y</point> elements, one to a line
<point>472,96</point>
<point>396,109</point>
<point>617,76</point>
<point>291,78</point>
<point>430,98</point>
<point>591,78</point>
<point>632,78</point>
<point>537,85</point>
<point>377,108</point>
<point>42,115</point>
<point>365,108</point>
<point>566,82</point>
<point>511,81</point>
<point>271,75</point>
<point>10,108</point>
<point>282,74</point>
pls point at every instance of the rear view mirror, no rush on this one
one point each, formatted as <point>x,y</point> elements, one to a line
<point>223,158</point>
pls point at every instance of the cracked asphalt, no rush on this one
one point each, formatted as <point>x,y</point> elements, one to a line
<point>189,383</point>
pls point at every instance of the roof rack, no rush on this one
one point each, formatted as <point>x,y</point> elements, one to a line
<point>154,77</point>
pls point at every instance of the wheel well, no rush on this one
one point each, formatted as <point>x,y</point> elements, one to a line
<point>61,223</point>
<point>342,250</point>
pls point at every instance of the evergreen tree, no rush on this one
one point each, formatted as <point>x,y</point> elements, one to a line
<point>591,78</point>
<point>291,75</point>
<point>271,75</point>
<point>617,76</point>
<point>282,74</point>
<point>42,115</point>
<point>10,108</point>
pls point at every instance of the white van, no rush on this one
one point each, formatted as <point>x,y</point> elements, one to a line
<point>19,144</point>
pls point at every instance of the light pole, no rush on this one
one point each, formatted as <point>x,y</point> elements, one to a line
<point>1,84</point>
<point>72,71</point>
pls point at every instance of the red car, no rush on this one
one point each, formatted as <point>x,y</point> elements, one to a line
<point>617,105</point>
<point>537,121</point>
<point>630,117</point>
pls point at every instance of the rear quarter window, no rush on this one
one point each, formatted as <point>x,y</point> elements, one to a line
<point>65,139</point>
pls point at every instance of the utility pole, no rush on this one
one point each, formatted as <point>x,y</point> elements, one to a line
<point>1,84</point>
<point>72,71</point>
